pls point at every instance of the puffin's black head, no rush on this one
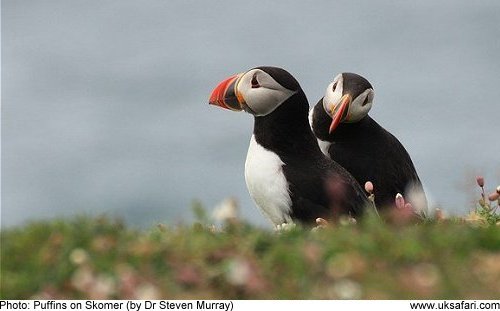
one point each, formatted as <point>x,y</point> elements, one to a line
<point>347,99</point>
<point>258,91</point>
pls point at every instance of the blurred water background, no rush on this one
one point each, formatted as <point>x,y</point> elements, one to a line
<point>104,103</point>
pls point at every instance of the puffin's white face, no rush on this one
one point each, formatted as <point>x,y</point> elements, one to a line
<point>260,93</point>
<point>343,106</point>
<point>360,106</point>
<point>333,94</point>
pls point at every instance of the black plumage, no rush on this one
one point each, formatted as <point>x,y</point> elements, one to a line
<point>367,150</point>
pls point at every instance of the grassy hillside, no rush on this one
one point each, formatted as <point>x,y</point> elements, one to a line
<point>102,258</point>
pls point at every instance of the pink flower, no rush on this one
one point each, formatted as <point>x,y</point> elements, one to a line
<point>369,187</point>
<point>408,206</point>
<point>480,181</point>
<point>400,201</point>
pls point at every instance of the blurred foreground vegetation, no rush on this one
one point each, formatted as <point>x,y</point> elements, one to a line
<point>99,258</point>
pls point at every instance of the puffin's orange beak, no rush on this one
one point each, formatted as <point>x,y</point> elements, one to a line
<point>225,95</point>
<point>339,112</point>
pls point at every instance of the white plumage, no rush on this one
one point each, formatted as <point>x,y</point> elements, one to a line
<point>267,184</point>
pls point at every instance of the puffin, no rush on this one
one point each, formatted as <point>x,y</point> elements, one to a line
<point>288,177</point>
<point>348,135</point>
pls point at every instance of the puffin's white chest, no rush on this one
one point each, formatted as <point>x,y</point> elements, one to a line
<point>267,184</point>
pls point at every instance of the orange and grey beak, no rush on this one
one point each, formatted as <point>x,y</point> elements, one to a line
<point>226,96</point>
<point>339,112</point>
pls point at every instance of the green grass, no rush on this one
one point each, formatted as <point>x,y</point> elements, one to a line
<point>99,258</point>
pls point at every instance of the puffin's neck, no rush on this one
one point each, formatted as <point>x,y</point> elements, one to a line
<point>346,131</point>
<point>286,130</point>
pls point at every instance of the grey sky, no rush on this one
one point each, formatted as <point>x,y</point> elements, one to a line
<point>104,103</point>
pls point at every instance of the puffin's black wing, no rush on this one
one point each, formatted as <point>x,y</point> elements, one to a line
<point>379,157</point>
<point>324,190</point>
<point>357,161</point>
<point>399,168</point>
<point>346,197</point>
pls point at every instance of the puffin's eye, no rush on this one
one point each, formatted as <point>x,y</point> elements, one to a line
<point>366,100</point>
<point>334,86</point>
<point>255,83</point>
